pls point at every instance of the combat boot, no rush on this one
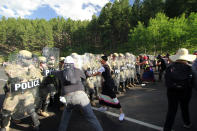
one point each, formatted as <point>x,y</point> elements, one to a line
<point>5,120</point>
<point>132,85</point>
<point>123,90</point>
<point>43,113</point>
<point>128,87</point>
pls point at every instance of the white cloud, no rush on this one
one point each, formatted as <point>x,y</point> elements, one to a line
<point>75,9</point>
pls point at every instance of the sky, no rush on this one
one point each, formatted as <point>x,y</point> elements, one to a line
<point>47,9</point>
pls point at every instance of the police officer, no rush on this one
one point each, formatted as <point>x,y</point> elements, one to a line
<point>116,72</point>
<point>122,72</point>
<point>61,63</point>
<point>48,88</point>
<point>23,79</point>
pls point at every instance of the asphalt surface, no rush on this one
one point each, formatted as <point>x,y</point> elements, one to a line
<point>142,105</point>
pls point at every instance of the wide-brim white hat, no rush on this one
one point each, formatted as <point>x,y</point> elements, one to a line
<point>182,54</point>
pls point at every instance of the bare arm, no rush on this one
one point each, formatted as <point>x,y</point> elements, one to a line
<point>97,73</point>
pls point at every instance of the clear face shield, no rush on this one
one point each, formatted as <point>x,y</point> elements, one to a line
<point>52,57</point>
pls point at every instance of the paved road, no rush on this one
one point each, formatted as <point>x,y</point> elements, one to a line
<point>145,109</point>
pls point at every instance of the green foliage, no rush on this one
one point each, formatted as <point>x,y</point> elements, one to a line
<point>165,34</point>
<point>148,26</point>
<point>174,8</point>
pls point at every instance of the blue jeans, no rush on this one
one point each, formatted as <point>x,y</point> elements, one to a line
<point>87,111</point>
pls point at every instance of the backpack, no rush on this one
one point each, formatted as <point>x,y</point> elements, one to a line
<point>69,75</point>
<point>178,76</point>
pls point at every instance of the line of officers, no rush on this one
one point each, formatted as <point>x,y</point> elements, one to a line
<point>31,88</point>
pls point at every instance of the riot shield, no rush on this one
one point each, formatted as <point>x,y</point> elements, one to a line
<point>49,84</point>
<point>78,59</point>
<point>23,84</point>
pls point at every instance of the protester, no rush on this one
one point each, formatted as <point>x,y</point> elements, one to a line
<point>108,96</point>
<point>166,59</point>
<point>73,95</point>
<point>148,74</point>
<point>178,79</point>
<point>161,65</point>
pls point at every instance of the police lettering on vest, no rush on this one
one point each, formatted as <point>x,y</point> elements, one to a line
<point>47,72</point>
<point>117,71</point>
<point>25,85</point>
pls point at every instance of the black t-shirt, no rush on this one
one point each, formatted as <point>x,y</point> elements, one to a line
<point>73,87</point>
<point>163,64</point>
<point>107,73</point>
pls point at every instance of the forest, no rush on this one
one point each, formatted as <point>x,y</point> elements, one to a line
<point>148,26</point>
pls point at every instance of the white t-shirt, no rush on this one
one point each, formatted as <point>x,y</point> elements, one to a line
<point>101,70</point>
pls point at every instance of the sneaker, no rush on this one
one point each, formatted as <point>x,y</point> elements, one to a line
<point>121,117</point>
<point>187,126</point>
<point>116,100</point>
<point>102,109</point>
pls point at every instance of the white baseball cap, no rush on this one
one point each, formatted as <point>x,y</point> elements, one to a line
<point>69,59</point>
